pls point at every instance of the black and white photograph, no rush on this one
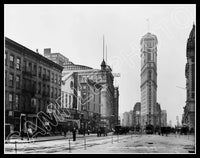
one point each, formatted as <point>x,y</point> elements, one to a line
<point>99,79</point>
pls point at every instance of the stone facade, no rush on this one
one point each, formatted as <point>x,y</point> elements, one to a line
<point>148,80</point>
<point>137,115</point>
<point>163,118</point>
<point>31,83</point>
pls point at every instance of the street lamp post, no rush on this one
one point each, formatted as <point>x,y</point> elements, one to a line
<point>112,120</point>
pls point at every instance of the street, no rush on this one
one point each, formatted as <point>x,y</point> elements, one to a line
<point>130,143</point>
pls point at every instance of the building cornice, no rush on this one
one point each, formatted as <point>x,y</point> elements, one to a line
<point>27,51</point>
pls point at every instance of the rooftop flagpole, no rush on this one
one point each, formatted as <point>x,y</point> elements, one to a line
<point>106,53</point>
<point>103,47</point>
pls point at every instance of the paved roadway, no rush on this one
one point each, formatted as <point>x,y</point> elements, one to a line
<point>107,144</point>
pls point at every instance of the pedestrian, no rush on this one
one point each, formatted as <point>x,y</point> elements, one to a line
<point>65,132</point>
<point>98,132</point>
<point>74,134</point>
<point>88,132</point>
<point>29,132</point>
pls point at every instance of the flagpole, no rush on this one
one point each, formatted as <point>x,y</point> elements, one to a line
<point>103,46</point>
<point>106,53</point>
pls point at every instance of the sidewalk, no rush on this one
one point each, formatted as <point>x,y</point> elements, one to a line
<point>47,138</point>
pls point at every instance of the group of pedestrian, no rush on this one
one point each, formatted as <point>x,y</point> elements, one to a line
<point>28,132</point>
<point>73,133</point>
<point>102,130</point>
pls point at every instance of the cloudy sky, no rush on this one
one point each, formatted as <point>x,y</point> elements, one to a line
<point>77,31</point>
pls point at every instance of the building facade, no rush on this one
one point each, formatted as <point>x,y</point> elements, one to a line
<point>63,61</point>
<point>56,57</point>
<point>97,100</point>
<point>157,116</point>
<point>148,80</point>
<point>125,120</point>
<point>95,106</point>
<point>70,96</point>
<point>32,82</point>
<point>90,99</point>
<point>137,115</point>
<point>163,118</point>
<point>116,106</point>
<point>130,118</point>
<point>97,93</point>
<point>189,109</point>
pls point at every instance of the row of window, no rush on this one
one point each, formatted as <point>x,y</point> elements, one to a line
<point>32,68</point>
<point>13,101</point>
<point>12,61</point>
<point>27,85</point>
<point>9,80</point>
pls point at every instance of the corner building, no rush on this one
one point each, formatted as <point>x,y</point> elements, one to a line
<point>148,86</point>
<point>31,83</point>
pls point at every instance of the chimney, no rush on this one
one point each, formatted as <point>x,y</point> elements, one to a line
<point>37,51</point>
<point>47,51</point>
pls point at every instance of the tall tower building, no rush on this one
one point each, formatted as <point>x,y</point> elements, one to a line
<point>148,79</point>
<point>189,109</point>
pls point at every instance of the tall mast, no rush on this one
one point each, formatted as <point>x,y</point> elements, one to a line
<point>106,53</point>
<point>103,47</point>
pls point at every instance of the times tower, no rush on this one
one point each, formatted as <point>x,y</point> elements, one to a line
<point>149,114</point>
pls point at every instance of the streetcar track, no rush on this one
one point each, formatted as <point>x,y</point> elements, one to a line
<point>75,146</point>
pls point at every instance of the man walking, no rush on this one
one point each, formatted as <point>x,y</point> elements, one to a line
<point>74,134</point>
<point>30,132</point>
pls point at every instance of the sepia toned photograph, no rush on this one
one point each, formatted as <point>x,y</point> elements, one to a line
<point>99,78</point>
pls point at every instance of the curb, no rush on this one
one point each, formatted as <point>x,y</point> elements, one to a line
<point>42,140</point>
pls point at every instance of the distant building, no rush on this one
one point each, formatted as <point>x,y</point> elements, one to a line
<point>31,83</point>
<point>119,120</point>
<point>137,115</point>
<point>149,106</point>
<point>125,120</point>
<point>99,97</point>
<point>130,118</point>
<point>56,57</point>
<point>116,106</point>
<point>157,116</point>
<point>189,109</point>
<point>163,118</point>
<point>170,123</point>
<point>63,61</point>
